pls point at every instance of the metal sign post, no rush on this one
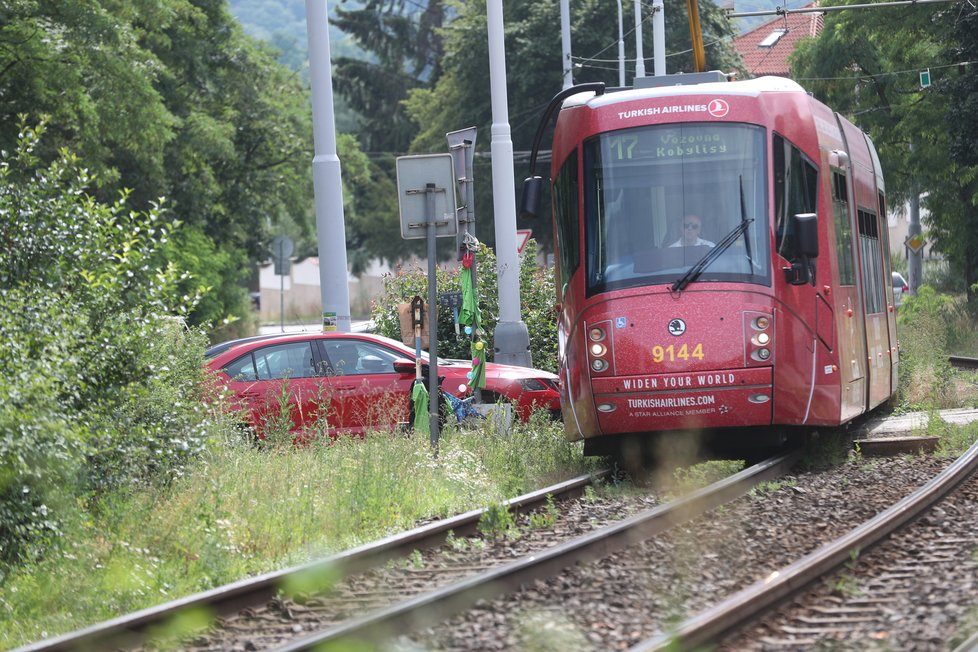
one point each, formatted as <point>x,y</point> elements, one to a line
<point>426,199</point>
<point>282,248</point>
<point>461,145</point>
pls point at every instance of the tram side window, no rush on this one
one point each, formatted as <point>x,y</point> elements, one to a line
<point>567,210</point>
<point>871,261</point>
<point>884,231</point>
<point>795,191</point>
<point>843,230</point>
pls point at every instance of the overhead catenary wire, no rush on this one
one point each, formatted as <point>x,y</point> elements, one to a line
<point>783,11</point>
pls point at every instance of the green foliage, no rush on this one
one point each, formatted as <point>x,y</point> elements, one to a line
<point>168,99</point>
<point>868,69</point>
<point>545,518</point>
<point>926,325</point>
<point>700,475</point>
<point>459,97</point>
<point>536,298</point>
<point>102,386</point>
<point>497,522</point>
<point>505,457</point>
<point>240,511</point>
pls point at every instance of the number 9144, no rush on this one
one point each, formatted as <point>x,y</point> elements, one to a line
<point>672,353</point>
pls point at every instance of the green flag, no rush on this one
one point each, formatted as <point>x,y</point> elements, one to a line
<point>469,314</point>
<point>419,397</point>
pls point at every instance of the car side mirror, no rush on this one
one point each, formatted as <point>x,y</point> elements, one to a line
<point>404,366</point>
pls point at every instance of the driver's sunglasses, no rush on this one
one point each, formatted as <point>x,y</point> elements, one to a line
<point>691,225</point>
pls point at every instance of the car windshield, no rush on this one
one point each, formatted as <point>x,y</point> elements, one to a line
<point>659,198</point>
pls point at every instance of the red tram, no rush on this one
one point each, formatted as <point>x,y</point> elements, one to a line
<point>722,260</point>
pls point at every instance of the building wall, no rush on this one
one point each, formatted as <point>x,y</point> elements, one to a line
<point>298,296</point>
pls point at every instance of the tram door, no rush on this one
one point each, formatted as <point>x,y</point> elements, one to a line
<point>849,308</point>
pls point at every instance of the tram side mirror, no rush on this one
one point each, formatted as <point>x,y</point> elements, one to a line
<point>802,270</point>
<point>806,228</point>
<point>530,199</point>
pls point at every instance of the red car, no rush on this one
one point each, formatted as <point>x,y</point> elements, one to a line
<point>359,381</point>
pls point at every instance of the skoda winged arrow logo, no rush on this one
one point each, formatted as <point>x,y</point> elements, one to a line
<point>677,327</point>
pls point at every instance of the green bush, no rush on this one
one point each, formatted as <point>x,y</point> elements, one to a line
<point>102,384</point>
<point>926,326</point>
<point>537,296</point>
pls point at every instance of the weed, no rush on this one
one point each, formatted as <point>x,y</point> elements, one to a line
<point>276,422</point>
<point>415,560</point>
<point>590,495</point>
<point>546,518</point>
<point>845,584</point>
<point>455,543</point>
<point>770,487</point>
<point>690,478</point>
<point>496,522</point>
<point>955,440</point>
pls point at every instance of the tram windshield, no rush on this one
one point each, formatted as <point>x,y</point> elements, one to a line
<point>659,199</point>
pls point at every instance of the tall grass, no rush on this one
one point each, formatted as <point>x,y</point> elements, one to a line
<point>243,510</point>
<point>930,327</point>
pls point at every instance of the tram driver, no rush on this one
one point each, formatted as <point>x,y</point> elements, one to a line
<point>691,233</point>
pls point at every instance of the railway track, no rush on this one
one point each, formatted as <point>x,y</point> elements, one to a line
<point>769,593</point>
<point>130,630</point>
<point>262,627</point>
<point>961,362</point>
<point>437,605</point>
<point>395,609</point>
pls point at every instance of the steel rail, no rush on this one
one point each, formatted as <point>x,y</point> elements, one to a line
<point>130,630</point>
<point>783,584</point>
<point>432,608</point>
<point>961,362</point>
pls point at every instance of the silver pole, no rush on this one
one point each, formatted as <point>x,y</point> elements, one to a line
<point>659,37</point>
<point>511,340</point>
<point>621,48</point>
<point>639,54</point>
<point>565,43</point>
<point>326,177</point>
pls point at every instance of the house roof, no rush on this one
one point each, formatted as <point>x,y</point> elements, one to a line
<point>765,49</point>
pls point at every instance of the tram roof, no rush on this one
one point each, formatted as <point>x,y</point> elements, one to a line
<point>750,87</point>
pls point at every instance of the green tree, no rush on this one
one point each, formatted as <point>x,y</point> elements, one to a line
<point>405,42</point>
<point>867,69</point>
<point>461,98</point>
<point>167,99</point>
<point>102,388</point>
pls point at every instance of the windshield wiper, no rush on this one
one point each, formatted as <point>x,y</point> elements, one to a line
<point>743,218</point>
<point>694,272</point>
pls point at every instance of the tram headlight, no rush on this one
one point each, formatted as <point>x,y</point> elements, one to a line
<point>599,365</point>
<point>761,323</point>
<point>598,349</point>
<point>761,339</point>
<point>596,334</point>
<point>763,354</point>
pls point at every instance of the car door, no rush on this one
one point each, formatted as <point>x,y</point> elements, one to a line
<point>365,391</point>
<point>276,378</point>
